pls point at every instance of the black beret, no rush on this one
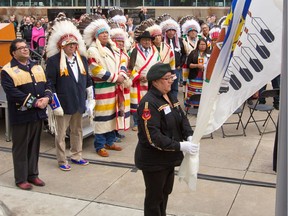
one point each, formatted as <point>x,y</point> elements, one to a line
<point>157,71</point>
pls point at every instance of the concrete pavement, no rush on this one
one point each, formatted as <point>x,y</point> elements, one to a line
<point>235,179</point>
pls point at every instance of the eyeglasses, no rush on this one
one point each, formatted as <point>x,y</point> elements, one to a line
<point>23,47</point>
<point>171,78</point>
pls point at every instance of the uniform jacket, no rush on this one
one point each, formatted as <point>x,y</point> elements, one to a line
<point>71,94</point>
<point>23,85</point>
<point>161,129</point>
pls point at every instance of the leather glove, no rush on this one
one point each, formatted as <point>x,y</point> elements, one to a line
<point>189,147</point>
<point>58,111</point>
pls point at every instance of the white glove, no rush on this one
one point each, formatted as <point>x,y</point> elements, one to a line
<point>189,139</point>
<point>90,104</point>
<point>56,106</point>
<point>189,147</point>
<point>90,93</point>
<point>58,111</point>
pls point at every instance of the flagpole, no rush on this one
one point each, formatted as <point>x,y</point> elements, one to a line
<point>281,207</point>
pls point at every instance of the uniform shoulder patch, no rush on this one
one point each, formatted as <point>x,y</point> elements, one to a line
<point>146,115</point>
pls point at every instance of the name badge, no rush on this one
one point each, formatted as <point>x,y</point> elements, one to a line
<point>201,60</point>
<point>167,110</point>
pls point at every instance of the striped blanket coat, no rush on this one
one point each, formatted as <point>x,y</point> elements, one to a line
<point>139,67</point>
<point>123,122</point>
<point>167,55</point>
<point>105,67</point>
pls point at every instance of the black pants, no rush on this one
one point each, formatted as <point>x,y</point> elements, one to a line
<point>25,150</point>
<point>158,185</point>
<point>275,84</point>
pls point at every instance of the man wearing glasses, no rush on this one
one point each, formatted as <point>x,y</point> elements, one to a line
<point>28,94</point>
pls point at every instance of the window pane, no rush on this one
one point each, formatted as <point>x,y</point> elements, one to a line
<point>81,2</point>
<point>4,3</point>
<point>62,3</point>
<point>129,3</point>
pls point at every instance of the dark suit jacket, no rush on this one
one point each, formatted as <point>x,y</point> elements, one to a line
<point>71,94</point>
<point>133,27</point>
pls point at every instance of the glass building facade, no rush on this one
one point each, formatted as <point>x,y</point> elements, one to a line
<point>121,3</point>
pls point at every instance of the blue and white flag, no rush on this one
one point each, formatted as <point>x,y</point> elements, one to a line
<point>247,56</point>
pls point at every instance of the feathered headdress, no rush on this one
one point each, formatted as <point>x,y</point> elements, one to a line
<point>86,19</point>
<point>57,19</point>
<point>92,31</point>
<point>61,14</point>
<point>221,21</point>
<point>215,32</point>
<point>117,15</point>
<point>154,30</point>
<point>141,28</point>
<point>169,23</point>
<point>162,18</point>
<point>189,23</point>
<point>115,11</point>
<point>116,32</point>
<point>62,34</point>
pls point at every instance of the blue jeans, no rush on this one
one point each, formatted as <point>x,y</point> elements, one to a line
<point>135,119</point>
<point>174,87</point>
<point>101,139</point>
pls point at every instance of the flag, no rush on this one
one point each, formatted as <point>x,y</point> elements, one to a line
<point>247,56</point>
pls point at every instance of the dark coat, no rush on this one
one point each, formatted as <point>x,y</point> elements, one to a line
<point>142,16</point>
<point>161,129</point>
<point>71,94</point>
<point>23,85</point>
<point>192,58</point>
<point>179,52</point>
<point>26,31</point>
<point>127,27</point>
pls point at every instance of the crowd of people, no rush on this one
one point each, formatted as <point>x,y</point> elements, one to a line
<point>114,71</point>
